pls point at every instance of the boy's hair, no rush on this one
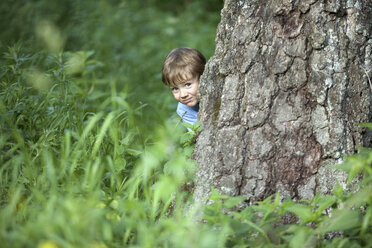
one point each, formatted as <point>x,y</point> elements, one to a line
<point>182,64</point>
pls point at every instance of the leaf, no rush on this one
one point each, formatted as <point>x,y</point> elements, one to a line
<point>188,125</point>
<point>134,152</point>
<point>215,195</point>
<point>359,198</point>
<point>368,125</point>
<point>326,202</point>
<point>353,166</point>
<point>301,237</point>
<point>367,220</point>
<point>240,228</point>
<point>257,228</point>
<point>96,95</point>
<point>246,213</point>
<point>277,199</point>
<point>356,169</point>
<point>338,190</point>
<point>164,188</point>
<point>233,201</point>
<point>120,164</point>
<point>341,220</point>
<point>102,132</point>
<point>304,212</point>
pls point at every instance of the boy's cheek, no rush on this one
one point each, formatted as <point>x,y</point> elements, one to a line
<point>176,97</point>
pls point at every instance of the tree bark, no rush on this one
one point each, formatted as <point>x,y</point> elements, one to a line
<point>282,97</point>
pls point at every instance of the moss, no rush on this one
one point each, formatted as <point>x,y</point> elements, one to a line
<point>216,110</point>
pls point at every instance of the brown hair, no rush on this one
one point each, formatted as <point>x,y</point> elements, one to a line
<point>182,64</point>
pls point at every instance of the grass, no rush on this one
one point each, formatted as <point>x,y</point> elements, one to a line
<point>90,155</point>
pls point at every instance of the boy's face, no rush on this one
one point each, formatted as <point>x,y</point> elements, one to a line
<point>185,92</point>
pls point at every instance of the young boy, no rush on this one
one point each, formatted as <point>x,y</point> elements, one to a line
<point>182,69</point>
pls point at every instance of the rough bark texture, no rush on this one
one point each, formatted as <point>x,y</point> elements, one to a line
<point>282,97</point>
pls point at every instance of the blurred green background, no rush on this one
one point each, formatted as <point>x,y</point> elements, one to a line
<point>130,39</point>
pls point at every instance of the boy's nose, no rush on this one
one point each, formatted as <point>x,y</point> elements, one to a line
<point>183,93</point>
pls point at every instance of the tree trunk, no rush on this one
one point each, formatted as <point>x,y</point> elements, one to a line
<point>282,97</point>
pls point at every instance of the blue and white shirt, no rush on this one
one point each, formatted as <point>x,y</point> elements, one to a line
<point>188,114</point>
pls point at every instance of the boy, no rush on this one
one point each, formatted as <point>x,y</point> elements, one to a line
<point>181,71</point>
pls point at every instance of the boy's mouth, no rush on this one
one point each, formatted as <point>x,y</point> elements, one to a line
<point>187,100</point>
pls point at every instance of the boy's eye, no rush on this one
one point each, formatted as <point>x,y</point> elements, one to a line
<point>188,84</point>
<point>174,89</point>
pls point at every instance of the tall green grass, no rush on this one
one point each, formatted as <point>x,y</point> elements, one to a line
<point>87,156</point>
<point>78,178</point>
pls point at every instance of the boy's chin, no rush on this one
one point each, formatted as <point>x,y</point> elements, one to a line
<point>191,104</point>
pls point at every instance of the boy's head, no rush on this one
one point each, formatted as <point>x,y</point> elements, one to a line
<point>182,69</point>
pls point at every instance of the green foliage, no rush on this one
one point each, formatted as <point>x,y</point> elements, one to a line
<point>345,215</point>
<point>76,178</point>
<point>89,157</point>
<point>188,139</point>
<point>130,38</point>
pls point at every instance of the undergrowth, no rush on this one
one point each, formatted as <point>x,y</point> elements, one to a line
<point>85,163</point>
<point>75,176</point>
